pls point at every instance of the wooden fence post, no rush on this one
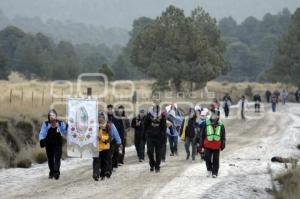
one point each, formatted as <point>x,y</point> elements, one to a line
<point>22,95</point>
<point>62,94</point>
<point>43,96</point>
<point>32,98</point>
<point>10,96</point>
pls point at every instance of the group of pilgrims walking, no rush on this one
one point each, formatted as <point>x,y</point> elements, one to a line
<point>201,130</point>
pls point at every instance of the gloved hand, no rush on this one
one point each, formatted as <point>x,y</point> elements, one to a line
<point>42,143</point>
<point>199,149</point>
<point>223,146</point>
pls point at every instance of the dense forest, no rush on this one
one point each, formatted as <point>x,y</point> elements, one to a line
<point>46,50</point>
<point>75,33</point>
<point>38,56</point>
<point>252,45</point>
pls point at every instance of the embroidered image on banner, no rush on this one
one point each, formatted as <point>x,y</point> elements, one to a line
<point>82,130</point>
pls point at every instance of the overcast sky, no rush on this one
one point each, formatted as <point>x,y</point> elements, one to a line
<point>121,13</point>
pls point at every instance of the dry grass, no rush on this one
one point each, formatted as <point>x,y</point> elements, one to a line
<point>39,155</point>
<point>23,159</point>
<point>116,92</point>
<point>290,185</point>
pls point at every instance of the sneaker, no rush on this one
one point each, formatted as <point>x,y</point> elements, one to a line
<point>214,176</point>
<point>172,154</point>
<point>187,156</point>
<point>208,174</point>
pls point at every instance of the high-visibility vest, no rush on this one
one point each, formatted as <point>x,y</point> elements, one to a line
<point>213,134</point>
<point>183,135</point>
<point>104,140</point>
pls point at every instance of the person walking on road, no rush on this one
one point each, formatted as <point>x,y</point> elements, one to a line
<point>284,96</point>
<point>50,136</point>
<point>243,104</point>
<point>138,124</point>
<point>274,102</point>
<point>226,104</point>
<point>155,128</point>
<point>102,158</point>
<point>268,95</point>
<point>188,134</point>
<point>257,101</point>
<point>122,124</point>
<point>212,141</point>
<point>172,131</point>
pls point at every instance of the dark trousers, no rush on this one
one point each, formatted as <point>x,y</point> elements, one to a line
<point>54,155</point>
<point>257,107</point>
<point>96,166</point>
<point>154,146</point>
<point>173,141</point>
<point>122,155</point>
<point>140,147</point>
<point>273,106</point>
<point>101,164</point>
<point>163,151</point>
<point>243,114</point>
<point>115,156</point>
<point>226,110</point>
<point>104,157</point>
<point>190,141</point>
<point>212,159</point>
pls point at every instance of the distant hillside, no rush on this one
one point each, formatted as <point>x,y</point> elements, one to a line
<point>121,13</point>
<point>75,33</point>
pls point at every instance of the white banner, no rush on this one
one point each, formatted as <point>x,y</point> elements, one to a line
<point>83,127</point>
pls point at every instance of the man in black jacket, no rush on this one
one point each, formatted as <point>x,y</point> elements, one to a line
<point>138,123</point>
<point>226,104</point>
<point>110,113</point>
<point>122,124</point>
<point>155,128</point>
<point>257,101</point>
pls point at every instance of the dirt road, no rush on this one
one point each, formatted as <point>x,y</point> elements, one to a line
<point>243,172</point>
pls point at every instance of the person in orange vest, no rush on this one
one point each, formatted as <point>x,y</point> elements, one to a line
<point>107,132</point>
<point>212,140</point>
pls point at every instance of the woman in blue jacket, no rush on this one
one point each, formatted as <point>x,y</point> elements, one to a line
<point>51,137</point>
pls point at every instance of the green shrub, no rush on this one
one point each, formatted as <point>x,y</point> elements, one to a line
<point>39,155</point>
<point>24,163</point>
